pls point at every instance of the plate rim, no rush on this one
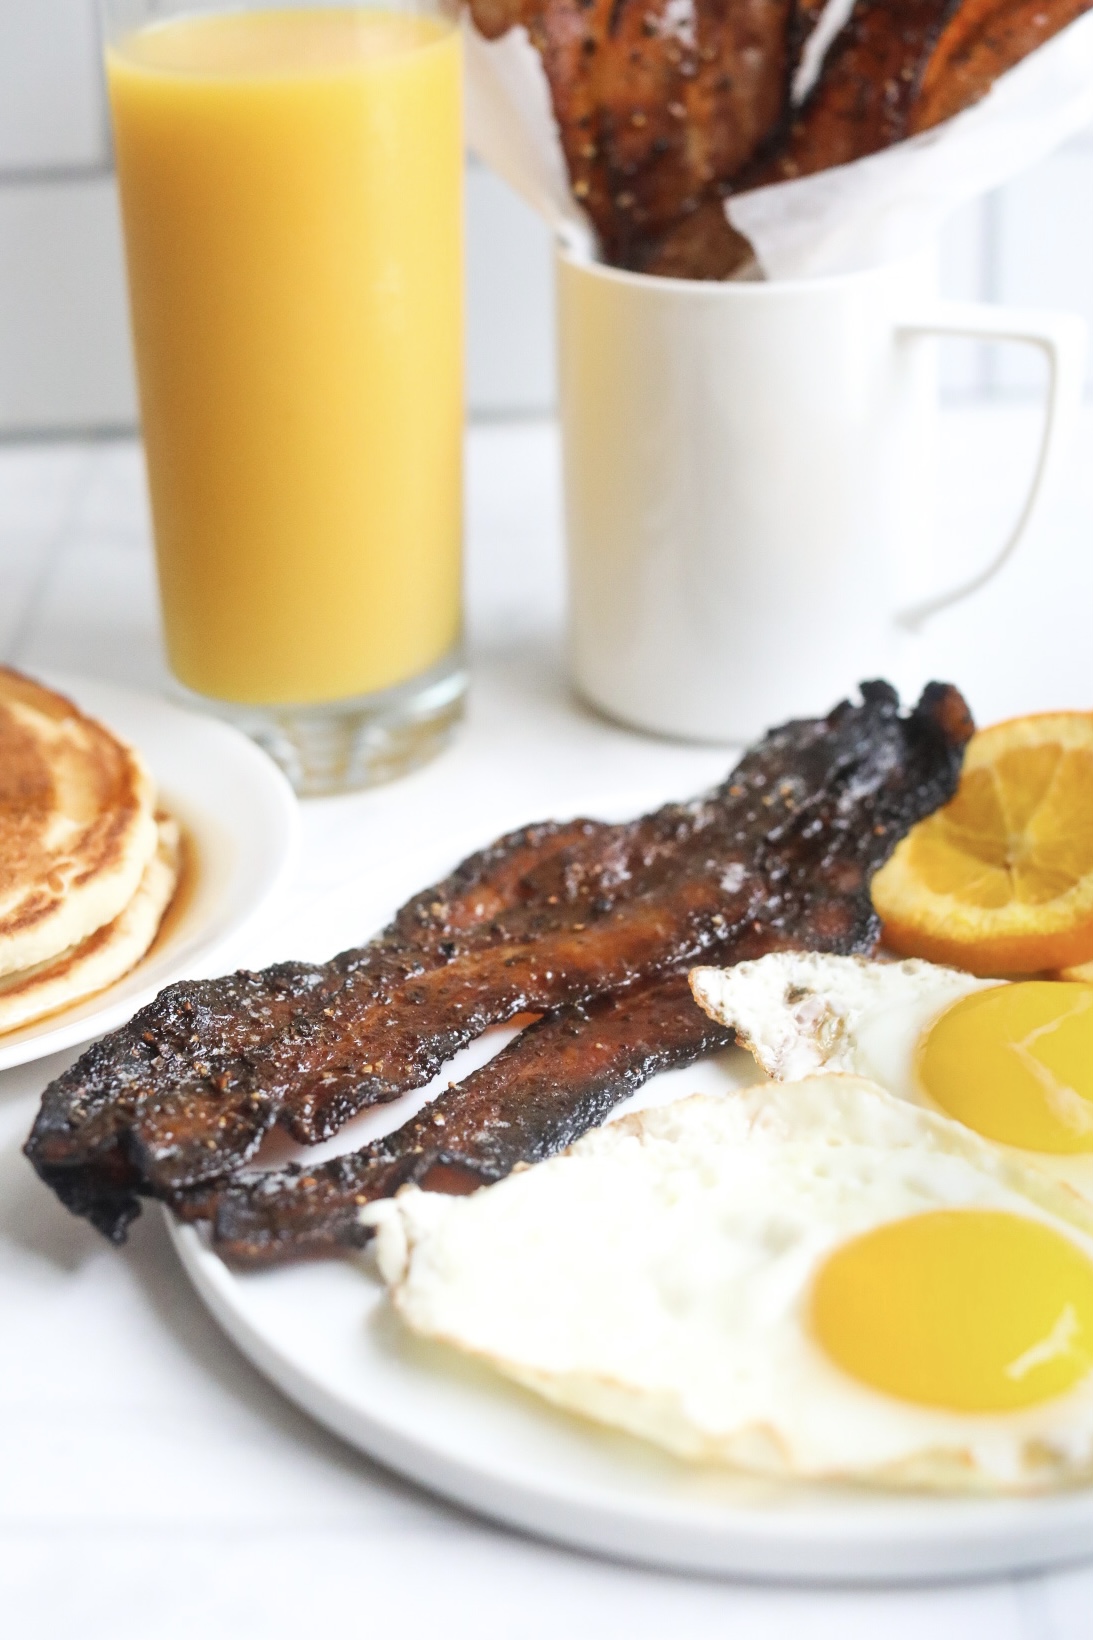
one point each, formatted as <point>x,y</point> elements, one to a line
<point>59,1032</point>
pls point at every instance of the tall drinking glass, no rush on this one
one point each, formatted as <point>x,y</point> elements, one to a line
<point>291,190</point>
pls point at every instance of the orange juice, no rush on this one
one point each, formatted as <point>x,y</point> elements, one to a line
<point>291,194</point>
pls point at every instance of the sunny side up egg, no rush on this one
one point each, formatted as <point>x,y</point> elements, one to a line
<point>810,1279</point>
<point>1013,1062</point>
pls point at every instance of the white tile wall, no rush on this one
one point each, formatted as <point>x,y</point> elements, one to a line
<point>964,271</point>
<point>1031,245</point>
<point>510,301</point>
<point>64,351</point>
<point>52,108</point>
<point>64,330</point>
<point>1042,232</point>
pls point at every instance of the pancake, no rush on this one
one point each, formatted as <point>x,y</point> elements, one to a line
<point>105,955</point>
<point>77,824</point>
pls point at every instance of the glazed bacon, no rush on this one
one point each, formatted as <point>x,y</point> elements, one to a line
<point>981,40</point>
<point>557,1079</point>
<point>230,1043</point>
<point>185,1092</point>
<point>899,67</point>
<point>817,834</point>
<point>866,91</point>
<point>551,917</point>
<point>664,108</point>
<point>656,102</point>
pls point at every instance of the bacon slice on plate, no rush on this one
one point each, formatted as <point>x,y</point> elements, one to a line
<point>784,850</point>
<point>558,1078</point>
<point>565,1073</point>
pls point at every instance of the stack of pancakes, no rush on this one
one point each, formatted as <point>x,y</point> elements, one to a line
<point>87,865</point>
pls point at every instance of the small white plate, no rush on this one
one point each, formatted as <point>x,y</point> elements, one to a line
<point>325,1334</point>
<point>241,825</point>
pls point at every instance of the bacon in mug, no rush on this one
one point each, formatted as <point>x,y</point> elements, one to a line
<point>981,40</point>
<point>656,101</point>
<point>666,108</point>
<point>899,67</point>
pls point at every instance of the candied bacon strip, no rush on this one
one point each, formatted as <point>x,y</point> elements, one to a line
<point>863,98</point>
<point>655,103</point>
<point>898,67</point>
<point>663,110</point>
<point>704,245</point>
<point>370,1043</point>
<point>982,40</point>
<point>564,1074</point>
<point>373,1048</point>
<point>558,1078</point>
<point>216,1034</point>
<point>217,1060</point>
<point>789,841</point>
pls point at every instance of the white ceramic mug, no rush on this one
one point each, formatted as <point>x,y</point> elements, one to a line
<point>749,484</point>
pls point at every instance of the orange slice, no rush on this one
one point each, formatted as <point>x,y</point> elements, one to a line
<point>1000,881</point>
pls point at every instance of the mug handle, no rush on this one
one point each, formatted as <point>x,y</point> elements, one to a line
<point>1061,337</point>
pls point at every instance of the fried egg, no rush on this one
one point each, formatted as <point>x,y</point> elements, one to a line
<point>808,1279</point>
<point>1014,1062</point>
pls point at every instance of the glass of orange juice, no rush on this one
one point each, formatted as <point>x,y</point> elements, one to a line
<point>291,192</point>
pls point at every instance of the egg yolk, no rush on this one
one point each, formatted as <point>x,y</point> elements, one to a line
<point>1016,1064</point>
<point>970,1310</point>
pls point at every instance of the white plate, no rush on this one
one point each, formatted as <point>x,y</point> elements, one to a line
<point>326,1336</point>
<point>324,1333</point>
<point>242,830</point>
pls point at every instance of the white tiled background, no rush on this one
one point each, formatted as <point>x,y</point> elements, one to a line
<point>64,352</point>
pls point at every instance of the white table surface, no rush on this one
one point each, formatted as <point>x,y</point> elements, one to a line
<point>151,1485</point>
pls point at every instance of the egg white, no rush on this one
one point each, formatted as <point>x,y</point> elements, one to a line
<point>656,1277</point>
<point>805,1013</point>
